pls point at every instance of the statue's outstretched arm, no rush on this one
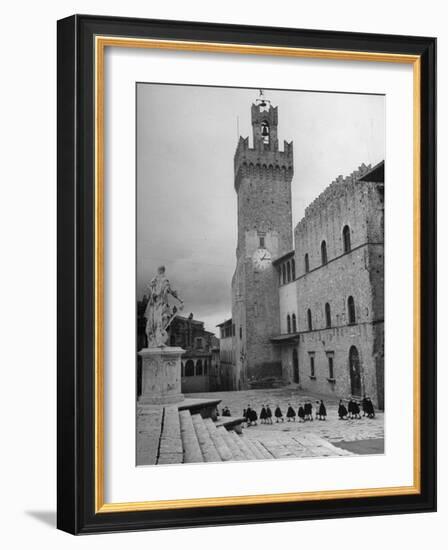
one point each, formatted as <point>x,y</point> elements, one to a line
<point>174,294</point>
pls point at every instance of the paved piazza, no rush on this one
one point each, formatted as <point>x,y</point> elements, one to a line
<point>364,436</point>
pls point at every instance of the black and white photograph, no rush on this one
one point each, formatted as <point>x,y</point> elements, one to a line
<point>259,274</point>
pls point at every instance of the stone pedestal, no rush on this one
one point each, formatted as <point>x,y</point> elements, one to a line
<point>161,375</point>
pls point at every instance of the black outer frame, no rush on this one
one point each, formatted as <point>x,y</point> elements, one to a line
<point>75,172</point>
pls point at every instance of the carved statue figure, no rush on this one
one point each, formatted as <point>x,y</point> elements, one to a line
<point>158,312</point>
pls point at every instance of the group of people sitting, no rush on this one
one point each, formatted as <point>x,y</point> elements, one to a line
<point>305,412</point>
<point>353,409</point>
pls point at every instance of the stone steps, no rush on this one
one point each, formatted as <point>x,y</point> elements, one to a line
<point>208,449</point>
<point>262,450</point>
<point>244,449</point>
<point>191,447</point>
<point>170,445</point>
<point>234,449</point>
<point>149,429</point>
<point>171,435</point>
<point>218,440</point>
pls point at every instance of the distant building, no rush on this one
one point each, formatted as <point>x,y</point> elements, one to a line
<point>309,311</point>
<point>200,362</point>
<point>226,355</point>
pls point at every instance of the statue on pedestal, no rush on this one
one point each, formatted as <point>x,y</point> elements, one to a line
<point>159,313</point>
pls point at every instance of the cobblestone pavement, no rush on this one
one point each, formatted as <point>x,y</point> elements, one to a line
<point>332,430</point>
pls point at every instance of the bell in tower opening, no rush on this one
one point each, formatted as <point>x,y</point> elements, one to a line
<point>265,132</point>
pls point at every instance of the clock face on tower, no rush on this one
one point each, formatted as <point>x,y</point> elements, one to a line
<point>262,258</point>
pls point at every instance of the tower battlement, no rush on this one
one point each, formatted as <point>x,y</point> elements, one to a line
<point>262,163</point>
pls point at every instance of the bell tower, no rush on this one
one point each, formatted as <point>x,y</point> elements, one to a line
<point>263,175</point>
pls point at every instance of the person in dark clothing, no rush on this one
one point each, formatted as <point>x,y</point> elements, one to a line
<point>253,417</point>
<point>356,410</point>
<point>226,411</point>
<point>322,411</point>
<point>350,409</point>
<point>263,415</point>
<point>370,408</point>
<point>247,415</point>
<point>278,414</point>
<point>364,406</point>
<point>342,411</point>
<point>306,409</point>
<point>301,413</point>
<point>268,415</point>
<point>291,413</point>
<point>317,411</point>
<point>310,411</point>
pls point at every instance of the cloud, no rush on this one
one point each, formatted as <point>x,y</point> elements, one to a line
<point>186,202</point>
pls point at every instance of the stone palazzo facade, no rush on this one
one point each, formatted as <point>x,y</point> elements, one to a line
<point>308,304</point>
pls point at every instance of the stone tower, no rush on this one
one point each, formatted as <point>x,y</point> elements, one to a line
<point>263,177</point>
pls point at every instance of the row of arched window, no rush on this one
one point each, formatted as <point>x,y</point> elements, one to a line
<point>351,314</point>
<point>291,320</point>
<point>288,271</point>
<point>346,241</point>
<point>190,369</point>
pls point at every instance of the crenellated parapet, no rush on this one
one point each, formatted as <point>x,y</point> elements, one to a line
<point>267,163</point>
<point>338,187</point>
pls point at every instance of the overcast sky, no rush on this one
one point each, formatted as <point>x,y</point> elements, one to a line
<point>186,203</point>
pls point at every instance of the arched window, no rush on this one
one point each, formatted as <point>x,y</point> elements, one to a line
<point>351,310</point>
<point>205,366</point>
<point>189,368</point>
<point>328,315</point>
<point>309,319</point>
<point>294,323</point>
<point>346,238</point>
<point>293,269</point>
<point>284,273</point>
<point>288,323</point>
<point>307,263</point>
<point>323,252</point>
<point>288,271</point>
<point>199,368</point>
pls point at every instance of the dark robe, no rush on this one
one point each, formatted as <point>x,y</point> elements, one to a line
<point>301,412</point>
<point>253,416</point>
<point>342,411</point>
<point>322,410</point>
<point>291,413</point>
<point>365,405</point>
<point>278,412</point>
<point>263,414</point>
<point>268,412</point>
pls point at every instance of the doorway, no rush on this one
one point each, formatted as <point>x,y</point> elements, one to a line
<point>355,371</point>
<point>295,365</point>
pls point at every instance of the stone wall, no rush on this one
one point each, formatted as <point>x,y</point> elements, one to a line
<point>288,304</point>
<point>358,273</point>
<point>336,341</point>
